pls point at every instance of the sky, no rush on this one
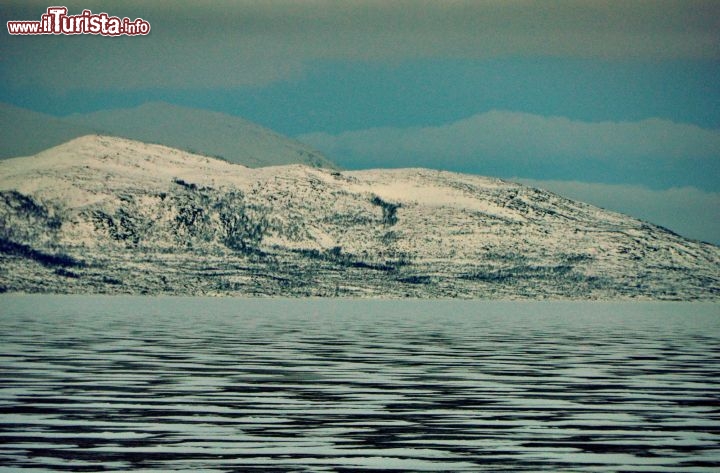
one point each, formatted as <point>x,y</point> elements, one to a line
<point>616,103</point>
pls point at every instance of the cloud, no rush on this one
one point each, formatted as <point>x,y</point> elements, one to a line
<point>209,44</point>
<point>654,152</point>
<point>688,211</point>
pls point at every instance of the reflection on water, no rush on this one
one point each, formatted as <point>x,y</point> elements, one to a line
<point>92,383</point>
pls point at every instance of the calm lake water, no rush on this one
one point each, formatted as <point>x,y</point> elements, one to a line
<point>157,384</point>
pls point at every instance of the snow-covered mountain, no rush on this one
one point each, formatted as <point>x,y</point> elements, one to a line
<point>109,215</point>
<point>201,131</point>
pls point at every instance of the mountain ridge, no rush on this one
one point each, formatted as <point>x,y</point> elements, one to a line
<point>26,132</point>
<point>109,215</point>
<point>199,131</point>
<point>215,134</point>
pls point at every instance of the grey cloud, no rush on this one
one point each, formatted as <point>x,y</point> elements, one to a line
<point>225,44</point>
<point>653,151</point>
<point>467,28</point>
<point>522,134</point>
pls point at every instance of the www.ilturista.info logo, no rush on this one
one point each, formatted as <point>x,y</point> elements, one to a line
<point>57,21</point>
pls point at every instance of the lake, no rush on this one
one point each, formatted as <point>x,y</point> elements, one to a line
<point>154,384</point>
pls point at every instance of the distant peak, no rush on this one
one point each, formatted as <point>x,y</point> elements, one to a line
<point>160,105</point>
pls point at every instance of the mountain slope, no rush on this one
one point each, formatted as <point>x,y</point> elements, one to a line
<point>109,215</point>
<point>211,133</point>
<point>24,132</point>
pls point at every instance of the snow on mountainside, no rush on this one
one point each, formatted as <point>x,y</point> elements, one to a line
<point>201,131</point>
<point>109,215</point>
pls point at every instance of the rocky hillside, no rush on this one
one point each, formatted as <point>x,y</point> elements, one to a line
<point>109,215</point>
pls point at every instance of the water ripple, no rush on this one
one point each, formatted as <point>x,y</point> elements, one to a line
<point>157,384</point>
